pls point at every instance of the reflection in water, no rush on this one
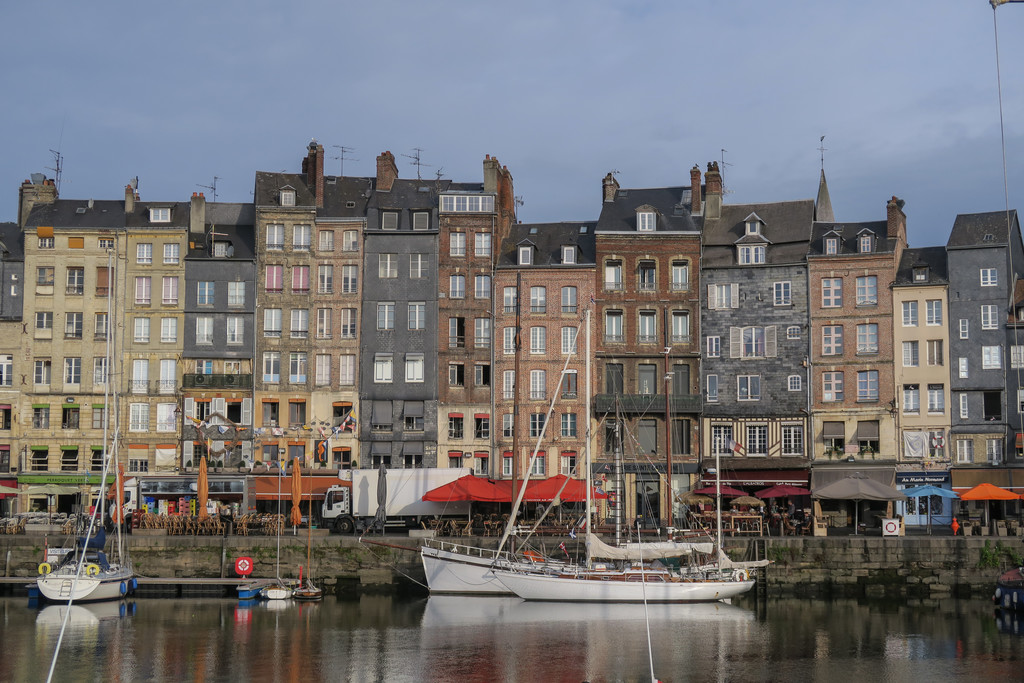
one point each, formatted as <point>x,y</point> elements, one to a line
<point>379,638</point>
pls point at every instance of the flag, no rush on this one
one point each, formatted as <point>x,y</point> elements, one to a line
<point>735,446</point>
<point>562,546</point>
<point>572,532</point>
<point>320,451</point>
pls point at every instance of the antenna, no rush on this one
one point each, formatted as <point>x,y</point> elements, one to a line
<point>415,156</point>
<point>725,190</point>
<point>342,151</point>
<point>212,188</point>
<point>58,166</point>
<point>822,148</point>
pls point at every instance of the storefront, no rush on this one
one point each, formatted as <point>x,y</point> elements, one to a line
<point>172,494</point>
<point>89,486</point>
<point>917,511</point>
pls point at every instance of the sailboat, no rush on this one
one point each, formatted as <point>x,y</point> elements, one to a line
<point>85,573</point>
<point>308,591</point>
<point>637,582</point>
<point>278,590</point>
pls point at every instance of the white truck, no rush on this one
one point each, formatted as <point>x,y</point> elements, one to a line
<point>352,506</point>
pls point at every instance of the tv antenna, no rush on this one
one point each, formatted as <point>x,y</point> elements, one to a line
<point>57,168</point>
<point>725,190</point>
<point>212,188</point>
<point>342,151</point>
<point>417,161</point>
<point>822,149</point>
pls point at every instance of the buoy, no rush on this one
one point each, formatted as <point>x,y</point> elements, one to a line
<point>133,584</point>
<point>741,574</point>
<point>45,568</point>
<point>92,569</point>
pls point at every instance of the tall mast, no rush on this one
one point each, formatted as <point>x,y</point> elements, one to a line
<point>586,443</point>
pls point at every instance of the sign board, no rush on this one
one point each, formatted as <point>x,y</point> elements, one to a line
<point>890,527</point>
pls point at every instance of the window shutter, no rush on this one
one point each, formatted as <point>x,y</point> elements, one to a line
<point>219,406</point>
<point>190,407</point>
<point>735,290</point>
<point>735,342</point>
<point>246,411</point>
<point>712,299</point>
<point>770,342</point>
<point>187,451</point>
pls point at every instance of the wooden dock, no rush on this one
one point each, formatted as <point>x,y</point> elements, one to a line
<point>149,587</point>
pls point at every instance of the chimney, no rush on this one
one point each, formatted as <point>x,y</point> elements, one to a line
<point>387,172</point>
<point>129,199</point>
<point>39,190</point>
<point>491,171</point>
<point>896,220</point>
<point>197,215</point>
<point>695,205</point>
<point>713,186</point>
<point>609,186</point>
<point>313,168</point>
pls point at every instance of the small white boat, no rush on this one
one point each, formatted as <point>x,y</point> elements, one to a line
<point>98,579</point>
<point>276,592</point>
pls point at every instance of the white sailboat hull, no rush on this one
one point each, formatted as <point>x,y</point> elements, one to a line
<point>111,584</point>
<point>452,571</point>
<point>535,586</point>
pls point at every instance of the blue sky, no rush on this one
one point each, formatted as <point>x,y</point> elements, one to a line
<point>561,92</point>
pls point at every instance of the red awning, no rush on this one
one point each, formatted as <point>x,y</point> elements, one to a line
<point>266,487</point>
<point>483,490</point>
<point>713,490</point>
<point>759,478</point>
<point>11,483</point>
<point>545,490</point>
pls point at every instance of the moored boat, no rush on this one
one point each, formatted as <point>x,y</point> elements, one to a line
<point>1009,592</point>
<point>85,574</point>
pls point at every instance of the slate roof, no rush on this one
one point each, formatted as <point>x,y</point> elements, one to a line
<point>671,204</point>
<point>934,258</point>
<point>848,233</point>
<point>139,218</point>
<point>234,223</point>
<point>970,229</point>
<point>549,238</point>
<point>76,213</point>
<point>344,196</point>
<point>786,228</point>
<point>11,238</point>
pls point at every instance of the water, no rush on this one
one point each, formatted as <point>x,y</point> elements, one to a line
<point>466,640</point>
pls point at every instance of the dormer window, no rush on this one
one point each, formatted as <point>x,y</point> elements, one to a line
<point>645,221</point>
<point>831,245</point>
<point>568,254</point>
<point>920,273</point>
<point>287,197</point>
<point>389,220</point>
<point>751,254</point>
<point>754,227</point>
<point>525,256</point>
<point>866,244</point>
<point>160,215</point>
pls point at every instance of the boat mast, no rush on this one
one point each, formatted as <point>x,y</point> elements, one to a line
<point>718,498</point>
<point>586,443</point>
<point>617,484</point>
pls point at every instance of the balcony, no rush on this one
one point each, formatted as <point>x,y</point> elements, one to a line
<point>632,404</point>
<point>199,381</point>
<point>139,386</point>
<point>166,386</point>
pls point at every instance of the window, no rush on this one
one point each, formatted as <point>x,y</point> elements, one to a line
<point>41,374</point>
<point>99,371</point>
<point>794,383</point>
<point>456,333</point>
<point>936,398</point>
<point>350,240</point>
<point>963,407</point>
<point>783,293</point>
<point>508,384</point>
<point>991,357</point>
<point>138,417</point>
<point>792,440</point>
<point>75,281</point>
<point>389,220</point>
<point>204,329</point>
<point>867,290</point>
<point>867,338</point>
<point>793,332</point>
<point>72,371</point>
<point>456,375</point>
<point>326,239</point>
<point>867,385</point>
<point>831,340</point>
<point>989,277</point>
<point>613,326</point>
<point>511,299</point>
<point>297,365</point>
<point>348,323</point>
<point>613,276</point>
<point>751,254</point>
<point>962,368</point>
<point>647,379</point>
<point>752,342</point>
<point>568,254</point>
<point>568,299</point>
<point>272,366</point>
<point>645,221</point>
<point>831,387</point>
<point>300,279</point>
<point>414,367</point>
<point>296,413</point>
<point>988,317</point>
<point>322,376</point>
<point>6,370</point>
<point>964,328</point>
<point>272,322</point>
<point>482,244</point>
<point>324,323</point>
<point>143,291</point>
<point>525,256</point>
<point>508,345</point>
<point>831,292</point>
<point>680,276</point>
<point>933,312</point>
<point>325,278</point>
<point>723,296</point>
<point>647,332</point>
<point>721,439</point>
<point>299,328</point>
<point>204,293</point>
<point>482,286</point>
<point>44,275</point>
<point>920,273</point>
<point>417,315</point>
<point>911,398</point>
<point>46,243</point>
<point>44,320</point>
<point>386,315</point>
<point>482,333</point>
<point>714,346</point>
<point>570,384</point>
<point>301,238</point>
<point>537,422</point>
<point>275,278</point>
<point>468,203</point>
<point>994,451</point>
<point>387,266</point>
<point>831,245</point>
<point>457,286</point>
<point>481,427</point>
<point>646,276</point>
<point>144,253</point>
<point>538,384</point>
<point>748,388</point>
<point>712,388</point>
<point>757,440</point>
<point>909,314</point>
<point>73,325</point>
<point>964,451</point>
<point>287,197</point>
<point>1017,356</point>
<point>910,354</point>
<point>864,243</point>
<point>347,370</point>
<point>275,237</point>
<point>457,244</point>
<point>680,327</point>
<point>141,330</point>
<point>538,300</point>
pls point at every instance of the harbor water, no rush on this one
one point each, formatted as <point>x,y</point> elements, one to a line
<point>465,640</point>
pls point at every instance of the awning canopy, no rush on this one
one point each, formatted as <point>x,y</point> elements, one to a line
<point>483,490</point>
<point>833,430</point>
<point>867,429</point>
<point>266,487</point>
<point>823,476</point>
<point>968,477</point>
<point>759,478</point>
<point>413,408</point>
<point>857,487</point>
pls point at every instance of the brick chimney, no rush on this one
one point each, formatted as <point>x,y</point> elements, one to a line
<point>197,215</point>
<point>896,220</point>
<point>695,203</point>
<point>491,171</point>
<point>129,199</point>
<point>713,185</point>
<point>387,172</point>
<point>313,168</point>
<point>609,186</point>
<point>39,190</point>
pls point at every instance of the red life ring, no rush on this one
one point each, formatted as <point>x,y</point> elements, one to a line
<point>243,566</point>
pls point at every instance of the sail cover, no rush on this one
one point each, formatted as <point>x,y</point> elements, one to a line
<point>646,551</point>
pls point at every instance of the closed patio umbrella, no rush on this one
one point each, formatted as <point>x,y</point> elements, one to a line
<point>296,492</point>
<point>203,488</point>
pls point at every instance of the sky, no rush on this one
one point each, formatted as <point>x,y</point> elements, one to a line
<point>181,93</point>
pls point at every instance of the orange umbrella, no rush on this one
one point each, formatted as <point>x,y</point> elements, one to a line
<point>296,492</point>
<point>988,492</point>
<point>202,487</point>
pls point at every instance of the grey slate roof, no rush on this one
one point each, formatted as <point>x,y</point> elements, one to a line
<point>970,229</point>
<point>12,246</point>
<point>139,218</point>
<point>848,233</point>
<point>76,213</point>
<point>934,258</point>
<point>786,227</point>
<point>234,223</point>
<point>549,238</point>
<point>671,204</point>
